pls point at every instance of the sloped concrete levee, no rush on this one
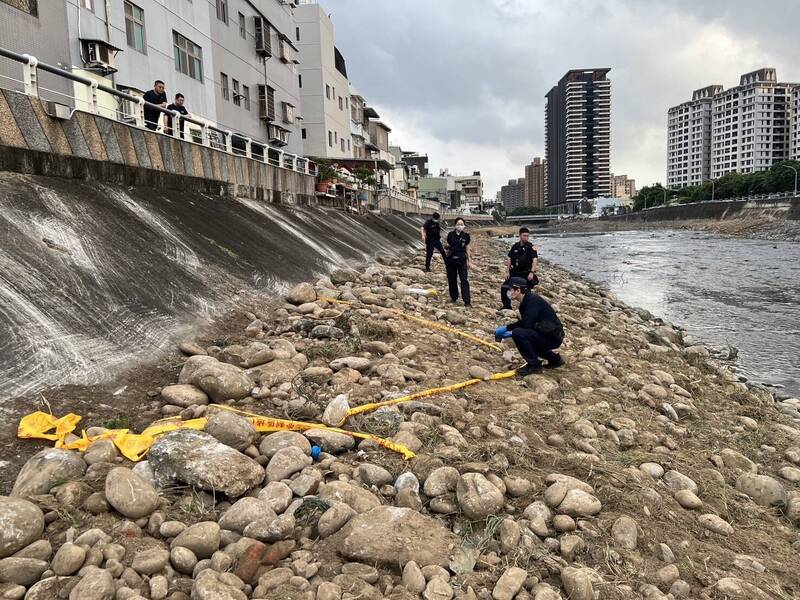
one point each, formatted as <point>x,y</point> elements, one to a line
<point>94,276</point>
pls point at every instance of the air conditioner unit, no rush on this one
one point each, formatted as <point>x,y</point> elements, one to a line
<point>263,37</point>
<point>99,55</point>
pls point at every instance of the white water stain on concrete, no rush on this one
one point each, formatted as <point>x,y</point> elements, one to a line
<point>175,248</point>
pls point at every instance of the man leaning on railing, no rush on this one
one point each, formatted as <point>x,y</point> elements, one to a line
<point>158,97</point>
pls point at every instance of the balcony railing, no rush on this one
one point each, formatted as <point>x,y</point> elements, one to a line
<point>204,133</point>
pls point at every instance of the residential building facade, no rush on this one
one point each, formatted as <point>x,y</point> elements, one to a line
<point>622,187</point>
<point>256,81</point>
<point>795,124</point>
<point>470,190</point>
<point>534,183</point>
<point>578,138</point>
<point>750,124</point>
<point>689,139</point>
<point>512,195</point>
<point>325,90</point>
<point>27,27</point>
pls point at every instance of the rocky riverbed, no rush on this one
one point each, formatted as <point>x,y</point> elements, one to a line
<point>641,469</point>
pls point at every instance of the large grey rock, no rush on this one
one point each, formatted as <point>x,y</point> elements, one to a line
<point>330,441</point>
<point>150,561</point>
<point>246,357</point>
<point>577,583</point>
<point>356,363</point>
<point>357,498</point>
<point>333,519</point>
<point>202,539</point>
<point>231,429</point>
<point>198,459</point>
<point>286,462</point>
<point>283,439</point>
<point>130,494</point>
<point>221,381</point>
<point>96,584</point>
<point>390,536</point>
<point>578,503</point>
<point>184,394</point>
<point>22,571</point>
<point>762,489</point>
<point>478,497</point>
<point>675,480</point>
<point>276,372</point>
<point>21,523</point>
<point>68,559</point>
<point>47,469</point>
<point>244,512</point>
<point>441,481</point>
<point>302,293</point>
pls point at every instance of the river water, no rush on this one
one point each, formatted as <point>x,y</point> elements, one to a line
<point>723,291</point>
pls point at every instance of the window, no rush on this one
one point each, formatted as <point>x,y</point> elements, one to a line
<point>246,97</point>
<point>330,139</point>
<point>288,113</point>
<point>342,141</point>
<point>327,91</point>
<point>242,26</point>
<point>237,99</point>
<point>333,92</point>
<point>300,80</point>
<point>335,137</point>
<point>134,26</point>
<point>266,102</point>
<point>188,56</point>
<point>297,33</point>
<point>223,82</point>
<point>222,11</point>
<point>341,106</point>
<point>304,132</point>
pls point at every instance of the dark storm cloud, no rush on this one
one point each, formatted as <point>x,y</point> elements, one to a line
<point>465,80</point>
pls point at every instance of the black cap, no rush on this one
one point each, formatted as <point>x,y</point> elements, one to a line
<point>519,282</point>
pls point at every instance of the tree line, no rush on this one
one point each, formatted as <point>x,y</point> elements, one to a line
<point>779,178</point>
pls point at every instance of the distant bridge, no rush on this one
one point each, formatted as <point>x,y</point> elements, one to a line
<point>531,218</point>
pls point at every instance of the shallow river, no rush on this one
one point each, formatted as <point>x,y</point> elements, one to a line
<point>724,291</point>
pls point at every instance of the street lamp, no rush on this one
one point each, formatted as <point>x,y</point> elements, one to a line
<point>712,190</point>
<point>795,176</point>
<point>665,196</point>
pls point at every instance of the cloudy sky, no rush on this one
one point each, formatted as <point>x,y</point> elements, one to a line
<point>464,80</point>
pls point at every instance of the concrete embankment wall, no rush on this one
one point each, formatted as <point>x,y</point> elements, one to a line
<point>784,208</point>
<point>88,146</point>
<point>95,276</point>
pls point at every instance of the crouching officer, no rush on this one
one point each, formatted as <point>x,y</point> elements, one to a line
<point>522,262</point>
<point>538,331</point>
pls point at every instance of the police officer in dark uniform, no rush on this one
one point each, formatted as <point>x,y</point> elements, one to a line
<point>538,331</point>
<point>458,262</point>
<point>522,259</point>
<point>431,234</point>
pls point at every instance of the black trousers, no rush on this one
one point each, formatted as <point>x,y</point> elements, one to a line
<point>507,286</point>
<point>457,270</point>
<point>430,245</point>
<point>533,344</point>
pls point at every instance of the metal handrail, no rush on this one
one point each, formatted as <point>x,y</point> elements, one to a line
<point>31,66</point>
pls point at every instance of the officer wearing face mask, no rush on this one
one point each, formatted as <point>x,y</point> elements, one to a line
<point>431,234</point>
<point>538,331</point>
<point>458,262</point>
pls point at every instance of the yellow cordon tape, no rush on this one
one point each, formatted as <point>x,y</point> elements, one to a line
<point>424,394</point>
<point>134,446</point>
<point>427,322</point>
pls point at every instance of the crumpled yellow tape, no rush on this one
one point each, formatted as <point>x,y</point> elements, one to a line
<point>134,446</point>
<point>427,322</point>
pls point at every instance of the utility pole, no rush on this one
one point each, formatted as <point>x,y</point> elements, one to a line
<point>712,190</point>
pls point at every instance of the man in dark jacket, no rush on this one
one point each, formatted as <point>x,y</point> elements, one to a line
<point>522,262</point>
<point>538,331</point>
<point>158,97</point>
<point>431,234</point>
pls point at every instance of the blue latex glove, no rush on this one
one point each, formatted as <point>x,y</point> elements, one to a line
<point>500,333</point>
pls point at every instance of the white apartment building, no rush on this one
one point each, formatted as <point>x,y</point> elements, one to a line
<point>689,139</point>
<point>324,88</point>
<point>222,55</point>
<point>468,189</point>
<point>750,124</point>
<point>794,146</point>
